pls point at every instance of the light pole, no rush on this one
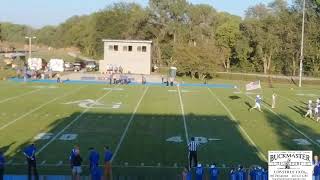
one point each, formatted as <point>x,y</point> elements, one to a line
<point>302,43</point>
<point>30,44</point>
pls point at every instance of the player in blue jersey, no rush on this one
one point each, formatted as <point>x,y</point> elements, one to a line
<point>258,102</point>
<point>186,174</point>
<point>265,174</point>
<point>241,173</point>
<point>316,168</point>
<point>214,172</point>
<point>73,154</point>
<point>2,164</point>
<point>233,174</point>
<point>93,158</point>
<point>96,173</point>
<point>30,153</point>
<point>199,172</point>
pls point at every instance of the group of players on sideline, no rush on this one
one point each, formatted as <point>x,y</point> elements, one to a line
<point>75,160</point>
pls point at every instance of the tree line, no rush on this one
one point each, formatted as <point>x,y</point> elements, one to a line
<point>196,38</point>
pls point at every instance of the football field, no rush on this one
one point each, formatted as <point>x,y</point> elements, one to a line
<point>148,127</point>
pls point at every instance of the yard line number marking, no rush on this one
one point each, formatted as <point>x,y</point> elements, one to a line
<point>238,125</point>
<point>71,123</point>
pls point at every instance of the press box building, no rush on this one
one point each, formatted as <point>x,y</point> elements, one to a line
<point>134,56</point>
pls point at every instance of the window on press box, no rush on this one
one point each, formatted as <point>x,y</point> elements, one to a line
<point>144,48</point>
<point>130,48</point>
<point>115,47</point>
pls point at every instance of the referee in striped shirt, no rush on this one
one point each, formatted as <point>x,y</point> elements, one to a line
<point>192,147</point>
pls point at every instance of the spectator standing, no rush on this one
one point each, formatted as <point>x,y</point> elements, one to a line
<point>199,172</point>
<point>76,165</point>
<point>2,164</point>
<point>30,154</point>
<point>214,172</point>
<point>193,157</point>
<point>107,163</point>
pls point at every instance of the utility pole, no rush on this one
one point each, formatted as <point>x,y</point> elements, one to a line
<point>30,44</point>
<point>302,43</point>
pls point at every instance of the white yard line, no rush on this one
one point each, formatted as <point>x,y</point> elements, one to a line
<point>239,126</point>
<point>21,95</point>
<point>70,124</point>
<point>291,125</point>
<point>128,125</point>
<point>183,116</point>
<point>39,107</point>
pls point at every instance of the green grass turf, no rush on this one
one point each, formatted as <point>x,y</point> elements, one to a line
<point>138,130</point>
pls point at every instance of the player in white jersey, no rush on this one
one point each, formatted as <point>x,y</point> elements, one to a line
<point>309,109</point>
<point>258,102</point>
<point>316,111</point>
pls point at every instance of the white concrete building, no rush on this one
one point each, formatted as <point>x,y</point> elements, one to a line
<point>133,56</point>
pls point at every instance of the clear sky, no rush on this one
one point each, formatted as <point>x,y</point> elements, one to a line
<point>38,13</point>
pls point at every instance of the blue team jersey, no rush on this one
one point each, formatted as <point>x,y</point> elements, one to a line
<point>30,151</point>
<point>2,161</point>
<point>258,175</point>
<point>214,173</point>
<point>233,175</point>
<point>316,170</point>
<point>108,156</point>
<point>72,154</point>
<point>241,174</point>
<point>265,175</point>
<point>189,176</point>
<point>96,173</point>
<point>199,173</point>
<point>253,174</point>
<point>94,158</point>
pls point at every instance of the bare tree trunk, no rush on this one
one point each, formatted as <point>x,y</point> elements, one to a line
<point>269,63</point>
<point>265,64</point>
<point>293,66</point>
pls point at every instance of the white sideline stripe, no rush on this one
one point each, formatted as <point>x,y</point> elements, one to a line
<point>39,107</point>
<point>21,95</point>
<point>128,125</point>
<point>183,116</point>
<point>239,126</point>
<point>71,123</point>
<point>291,125</point>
